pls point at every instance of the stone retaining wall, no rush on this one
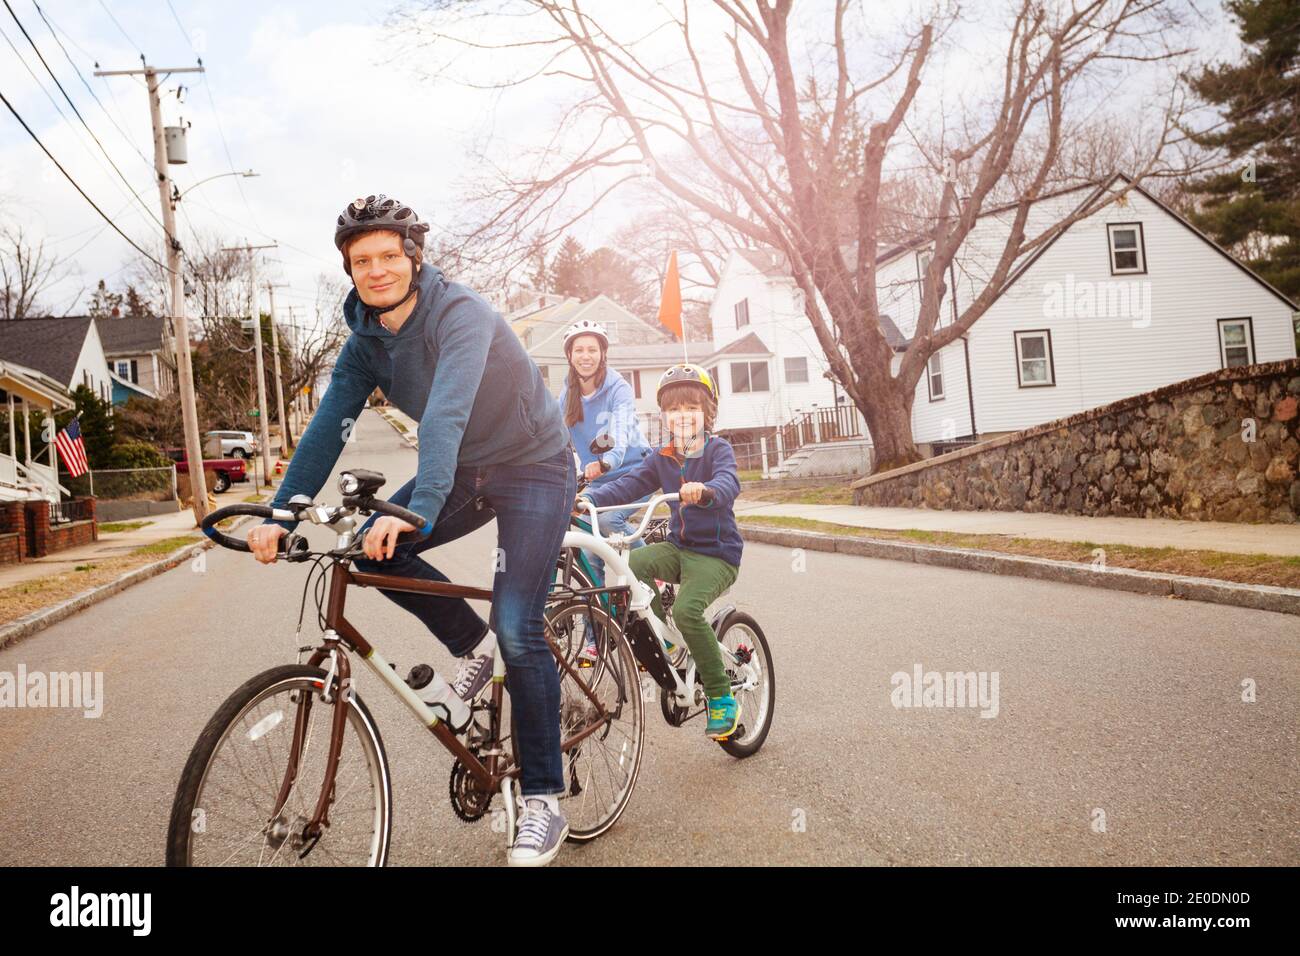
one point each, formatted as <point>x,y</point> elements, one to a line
<point>1220,447</point>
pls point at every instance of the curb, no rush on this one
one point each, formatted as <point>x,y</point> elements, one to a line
<point>1258,597</point>
<point>30,624</point>
<point>406,436</point>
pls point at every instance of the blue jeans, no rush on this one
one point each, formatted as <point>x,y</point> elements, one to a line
<point>531,504</point>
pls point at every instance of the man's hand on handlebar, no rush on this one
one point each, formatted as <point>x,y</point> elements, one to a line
<point>381,539</point>
<point>262,541</point>
<point>595,470</point>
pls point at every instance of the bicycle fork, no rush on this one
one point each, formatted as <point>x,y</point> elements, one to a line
<point>334,691</point>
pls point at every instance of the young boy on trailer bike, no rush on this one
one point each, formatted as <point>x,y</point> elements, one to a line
<point>702,553</point>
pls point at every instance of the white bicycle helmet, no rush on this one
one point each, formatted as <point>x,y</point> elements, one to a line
<point>585,327</point>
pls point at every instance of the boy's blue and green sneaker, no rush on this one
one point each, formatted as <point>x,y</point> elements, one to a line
<point>724,715</point>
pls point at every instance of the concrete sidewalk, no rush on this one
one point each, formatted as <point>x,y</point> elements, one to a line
<point>118,543</point>
<point>1275,539</point>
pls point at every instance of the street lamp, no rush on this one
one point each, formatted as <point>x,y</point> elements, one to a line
<point>177,194</point>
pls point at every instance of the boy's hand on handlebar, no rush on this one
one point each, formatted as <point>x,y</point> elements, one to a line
<point>262,541</point>
<point>381,540</point>
<point>579,505</point>
<point>692,493</point>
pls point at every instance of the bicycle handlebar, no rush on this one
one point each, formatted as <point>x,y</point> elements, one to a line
<point>650,507</point>
<point>294,545</point>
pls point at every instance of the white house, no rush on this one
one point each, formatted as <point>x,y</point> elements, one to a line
<point>1127,300</point>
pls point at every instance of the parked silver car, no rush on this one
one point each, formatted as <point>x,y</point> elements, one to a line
<point>232,444</point>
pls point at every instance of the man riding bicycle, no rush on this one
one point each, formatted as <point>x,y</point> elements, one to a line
<point>492,443</point>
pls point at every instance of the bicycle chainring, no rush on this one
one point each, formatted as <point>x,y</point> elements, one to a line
<point>468,800</point>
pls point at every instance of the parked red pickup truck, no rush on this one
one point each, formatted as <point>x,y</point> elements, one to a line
<point>227,469</point>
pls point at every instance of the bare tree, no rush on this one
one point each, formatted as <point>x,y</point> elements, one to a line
<point>799,137</point>
<point>27,272</point>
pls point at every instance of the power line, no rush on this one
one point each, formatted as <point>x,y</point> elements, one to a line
<point>121,175</point>
<point>216,116</point>
<point>55,35</point>
<point>68,176</point>
<point>120,30</point>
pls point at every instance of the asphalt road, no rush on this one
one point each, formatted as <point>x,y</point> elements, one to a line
<point>1108,703</point>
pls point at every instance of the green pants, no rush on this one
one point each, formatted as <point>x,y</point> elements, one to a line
<point>701,578</point>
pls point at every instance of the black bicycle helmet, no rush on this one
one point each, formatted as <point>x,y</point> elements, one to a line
<point>382,212</point>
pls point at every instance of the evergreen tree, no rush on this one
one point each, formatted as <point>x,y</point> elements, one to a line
<point>567,273</point>
<point>1253,209</point>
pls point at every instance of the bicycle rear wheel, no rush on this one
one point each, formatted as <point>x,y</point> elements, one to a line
<point>224,814</point>
<point>601,769</point>
<point>753,682</point>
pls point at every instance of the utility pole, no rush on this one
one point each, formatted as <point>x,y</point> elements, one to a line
<point>279,388</point>
<point>184,367</point>
<point>257,351</point>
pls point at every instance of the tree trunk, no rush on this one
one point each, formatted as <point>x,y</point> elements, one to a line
<point>889,418</point>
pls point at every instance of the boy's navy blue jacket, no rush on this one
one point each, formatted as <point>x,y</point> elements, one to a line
<point>705,529</point>
<point>432,369</point>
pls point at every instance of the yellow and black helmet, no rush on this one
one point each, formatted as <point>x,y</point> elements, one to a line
<point>689,374</point>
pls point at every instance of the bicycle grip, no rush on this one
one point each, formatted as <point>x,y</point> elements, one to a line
<point>289,544</point>
<point>368,503</point>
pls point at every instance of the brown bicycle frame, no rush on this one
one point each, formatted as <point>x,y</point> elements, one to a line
<point>489,776</point>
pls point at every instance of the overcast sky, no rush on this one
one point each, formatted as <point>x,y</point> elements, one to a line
<point>320,99</point>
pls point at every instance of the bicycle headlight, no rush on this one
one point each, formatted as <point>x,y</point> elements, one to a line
<point>349,483</point>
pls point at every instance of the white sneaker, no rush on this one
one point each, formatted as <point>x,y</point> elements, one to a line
<point>539,835</point>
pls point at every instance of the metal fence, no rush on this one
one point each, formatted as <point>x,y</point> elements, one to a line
<point>62,512</point>
<point>126,484</point>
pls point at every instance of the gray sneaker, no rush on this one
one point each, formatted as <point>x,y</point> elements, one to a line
<point>472,676</point>
<point>539,835</point>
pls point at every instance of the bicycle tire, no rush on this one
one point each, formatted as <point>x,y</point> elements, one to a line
<point>180,845</point>
<point>623,663</point>
<point>748,745</point>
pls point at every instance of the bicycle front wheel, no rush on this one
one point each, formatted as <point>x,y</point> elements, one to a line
<point>225,810</point>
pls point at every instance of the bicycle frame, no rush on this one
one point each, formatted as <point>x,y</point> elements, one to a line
<point>611,550</point>
<point>340,636</point>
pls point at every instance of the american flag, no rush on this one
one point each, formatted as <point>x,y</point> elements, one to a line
<point>72,449</point>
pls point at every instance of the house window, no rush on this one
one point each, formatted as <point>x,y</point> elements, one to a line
<point>934,376</point>
<point>922,263</point>
<point>135,372</point>
<point>124,370</point>
<point>1127,248</point>
<point>796,370</point>
<point>546,374</point>
<point>1236,343</point>
<point>748,377</point>
<point>612,329</point>
<point>633,377</point>
<point>1034,365</point>
<point>742,313</point>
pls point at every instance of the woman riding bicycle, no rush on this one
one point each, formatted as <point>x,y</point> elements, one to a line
<point>492,443</point>
<point>597,400</point>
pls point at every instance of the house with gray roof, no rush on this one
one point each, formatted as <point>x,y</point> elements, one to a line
<point>68,350</point>
<point>141,354</point>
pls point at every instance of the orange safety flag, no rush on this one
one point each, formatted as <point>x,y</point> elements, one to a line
<point>670,304</point>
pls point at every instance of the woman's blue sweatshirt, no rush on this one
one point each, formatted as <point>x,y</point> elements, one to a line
<point>705,529</point>
<point>610,409</point>
<point>431,368</point>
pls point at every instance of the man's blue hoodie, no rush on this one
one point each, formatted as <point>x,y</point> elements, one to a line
<point>611,410</point>
<point>431,369</point>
